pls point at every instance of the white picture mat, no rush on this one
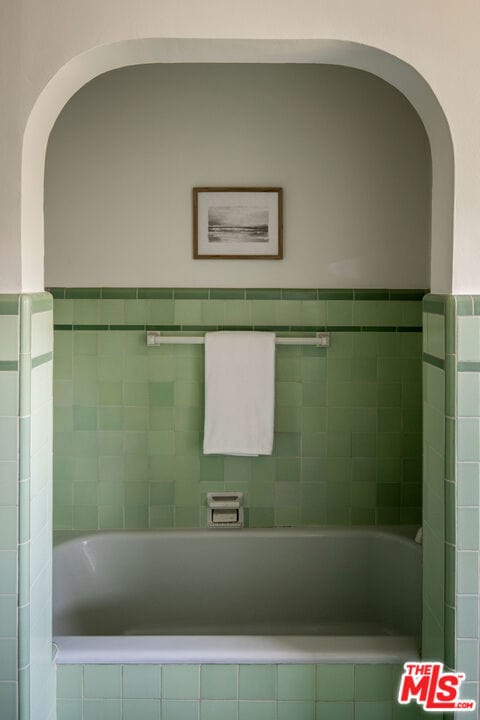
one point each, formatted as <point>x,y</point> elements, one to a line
<point>264,200</point>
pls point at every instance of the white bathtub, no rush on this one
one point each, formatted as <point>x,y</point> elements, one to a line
<point>253,596</point>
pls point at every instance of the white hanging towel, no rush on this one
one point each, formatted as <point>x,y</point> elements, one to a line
<point>239,393</point>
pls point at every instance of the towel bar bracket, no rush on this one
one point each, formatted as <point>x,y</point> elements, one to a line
<point>155,337</point>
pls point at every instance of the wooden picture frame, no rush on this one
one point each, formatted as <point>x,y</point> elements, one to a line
<point>237,223</point>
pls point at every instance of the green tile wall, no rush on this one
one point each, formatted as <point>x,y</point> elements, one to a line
<point>451,484</point>
<point>27,688</point>
<point>128,419</point>
<point>239,692</point>
<point>465,338</point>
<point>9,392</point>
<point>434,474</point>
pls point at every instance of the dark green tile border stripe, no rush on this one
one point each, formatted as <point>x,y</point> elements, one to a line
<point>8,365</point>
<point>237,294</point>
<point>465,305</point>
<point>431,360</point>
<point>82,293</point>
<point>335,294</point>
<point>155,293</point>
<point>9,304</point>
<point>41,302</point>
<point>119,293</point>
<point>263,328</point>
<point>41,359</point>
<point>433,308</point>
<point>191,293</point>
<point>468,367</point>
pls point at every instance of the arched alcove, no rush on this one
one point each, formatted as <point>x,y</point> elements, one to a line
<point>84,67</point>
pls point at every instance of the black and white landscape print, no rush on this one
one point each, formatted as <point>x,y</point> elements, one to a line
<point>237,224</point>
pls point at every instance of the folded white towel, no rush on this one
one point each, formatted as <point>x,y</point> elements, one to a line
<point>239,393</point>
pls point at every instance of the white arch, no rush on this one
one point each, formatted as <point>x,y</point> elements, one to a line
<point>84,67</point>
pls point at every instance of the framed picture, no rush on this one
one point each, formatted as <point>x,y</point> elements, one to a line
<point>237,223</point>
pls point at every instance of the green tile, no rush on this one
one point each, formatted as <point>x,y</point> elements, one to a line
<point>261,517</point>
<point>339,312</point>
<point>373,682</point>
<point>257,682</point>
<point>468,440</point>
<point>86,311</point>
<point>287,444</point>
<point>338,495</point>
<point>8,572</point>
<point>288,419</point>
<point>8,528</point>
<point>8,393</point>
<point>161,393</point>
<point>112,311</point>
<point>82,293</point>
<point>313,470</point>
<point>296,682</point>
<point>179,710</point>
<point>219,682</point>
<point>8,616</point>
<point>102,709</point>
<point>190,293</point>
<point>334,710</point>
<point>69,681</point>
<point>287,516</point>
<point>136,518</point>
<point>288,394</point>
<point>263,312</point>
<point>314,445</point>
<point>289,312</point>
<point>373,710</point>
<point>227,294</point>
<point>335,294</point>
<point>9,304</point>
<point>84,418</point>
<point>467,528</point>
<point>102,681</point>
<point>296,710</point>
<point>141,681</point>
<point>288,469</point>
<point>468,484</point>
<point>119,293</point>
<point>314,419</point>
<point>141,709</point>
<point>110,517</point>
<point>181,682</point>
<point>218,710</point>
<point>251,710</point>
<point>312,395</point>
<point>187,312</point>
<point>161,517</point>
<point>213,312</point>
<point>56,293</point>
<point>299,294</point>
<point>467,616</point>
<point>136,312</point>
<point>155,293</point>
<point>69,709</point>
<point>85,518</point>
<point>238,312</point>
<point>468,339</point>
<point>9,333</point>
<point>161,312</point>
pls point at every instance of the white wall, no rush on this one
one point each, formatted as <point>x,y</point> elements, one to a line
<point>348,149</point>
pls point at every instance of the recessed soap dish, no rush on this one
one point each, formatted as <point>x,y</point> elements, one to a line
<point>225,510</point>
